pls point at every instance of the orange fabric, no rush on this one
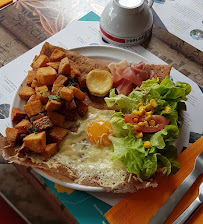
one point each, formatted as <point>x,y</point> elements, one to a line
<point>139,207</point>
<point>4,2</point>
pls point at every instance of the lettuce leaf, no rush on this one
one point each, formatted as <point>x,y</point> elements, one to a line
<point>170,152</point>
<point>131,150</point>
<point>143,166</point>
<point>137,159</point>
<point>169,133</point>
<point>124,103</point>
<point>165,163</point>
<point>120,128</point>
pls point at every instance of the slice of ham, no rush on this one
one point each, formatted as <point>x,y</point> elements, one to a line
<point>127,76</point>
<point>118,83</point>
<point>140,68</point>
<point>126,87</point>
<point>136,76</point>
<point>140,73</point>
<point>121,66</point>
<point>140,65</point>
<point>117,69</point>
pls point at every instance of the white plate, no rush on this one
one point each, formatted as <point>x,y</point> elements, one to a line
<point>105,53</point>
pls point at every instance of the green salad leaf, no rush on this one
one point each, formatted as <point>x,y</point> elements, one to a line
<point>163,154</point>
<point>169,133</point>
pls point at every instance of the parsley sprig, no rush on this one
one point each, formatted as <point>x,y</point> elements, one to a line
<point>71,82</point>
<point>32,130</point>
<point>54,97</point>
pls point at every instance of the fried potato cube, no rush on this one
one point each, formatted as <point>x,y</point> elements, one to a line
<point>38,116</point>
<point>70,105</point>
<point>12,135</point>
<point>61,80</point>
<point>64,67</point>
<point>33,108</point>
<point>57,55</point>
<point>66,94</point>
<point>71,115</point>
<point>56,118</point>
<point>46,75</point>
<point>81,108</point>
<point>50,150</point>
<point>26,93</point>
<point>43,123</point>
<point>32,98</point>
<point>75,72</point>
<point>30,77</point>
<point>56,89</point>
<point>82,82</point>
<point>35,83</point>
<point>23,126</point>
<point>35,142</point>
<point>77,93</point>
<point>20,140</point>
<point>40,61</point>
<point>42,93</point>
<point>56,134</point>
<point>53,105</point>
<point>17,114</point>
<point>54,65</point>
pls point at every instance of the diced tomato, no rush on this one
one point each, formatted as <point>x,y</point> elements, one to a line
<point>129,118</point>
<point>161,122</point>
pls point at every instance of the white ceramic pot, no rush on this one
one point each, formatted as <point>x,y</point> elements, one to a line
<point>126,22</point>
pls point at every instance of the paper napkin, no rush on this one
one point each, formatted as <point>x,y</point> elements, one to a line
<point>139,207</point>
<point>5,2</point>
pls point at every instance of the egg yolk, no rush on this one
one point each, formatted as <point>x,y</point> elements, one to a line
<point>98,132</point>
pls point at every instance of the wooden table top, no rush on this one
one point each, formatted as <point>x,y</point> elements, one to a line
<point>26,23</point>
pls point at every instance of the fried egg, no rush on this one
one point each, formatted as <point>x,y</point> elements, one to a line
<point>98,132</point>
<point>88,152</point>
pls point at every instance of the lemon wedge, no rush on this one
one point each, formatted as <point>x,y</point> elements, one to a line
<point>99,82</point>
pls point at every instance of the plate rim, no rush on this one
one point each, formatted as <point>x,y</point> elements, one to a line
<point>113,48</point>
<point>43,173</point>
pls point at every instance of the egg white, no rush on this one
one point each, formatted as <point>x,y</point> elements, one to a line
<point>90,160</point>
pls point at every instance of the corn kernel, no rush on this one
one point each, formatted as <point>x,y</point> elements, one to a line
<point>139,135</point>
<point>149,113</point>
<point>136,112</point>
<point>152,123</point>
<point>141,124</point>
<point>148,117</point>
<point>142,107</point>
<point>141,112</point>
<point>167,109</point>
<point>146,124</point>
<point>140,104</point>
<point>147,144</point>
<point>152,110</point>
<point>136,127</point>
<point>153,103</point>
<point>135,119</point>
<point>148,107</point>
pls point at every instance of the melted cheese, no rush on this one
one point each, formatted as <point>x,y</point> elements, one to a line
<point>90,160</point>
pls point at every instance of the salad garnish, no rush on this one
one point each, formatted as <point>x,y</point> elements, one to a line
<point>146,125</point>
